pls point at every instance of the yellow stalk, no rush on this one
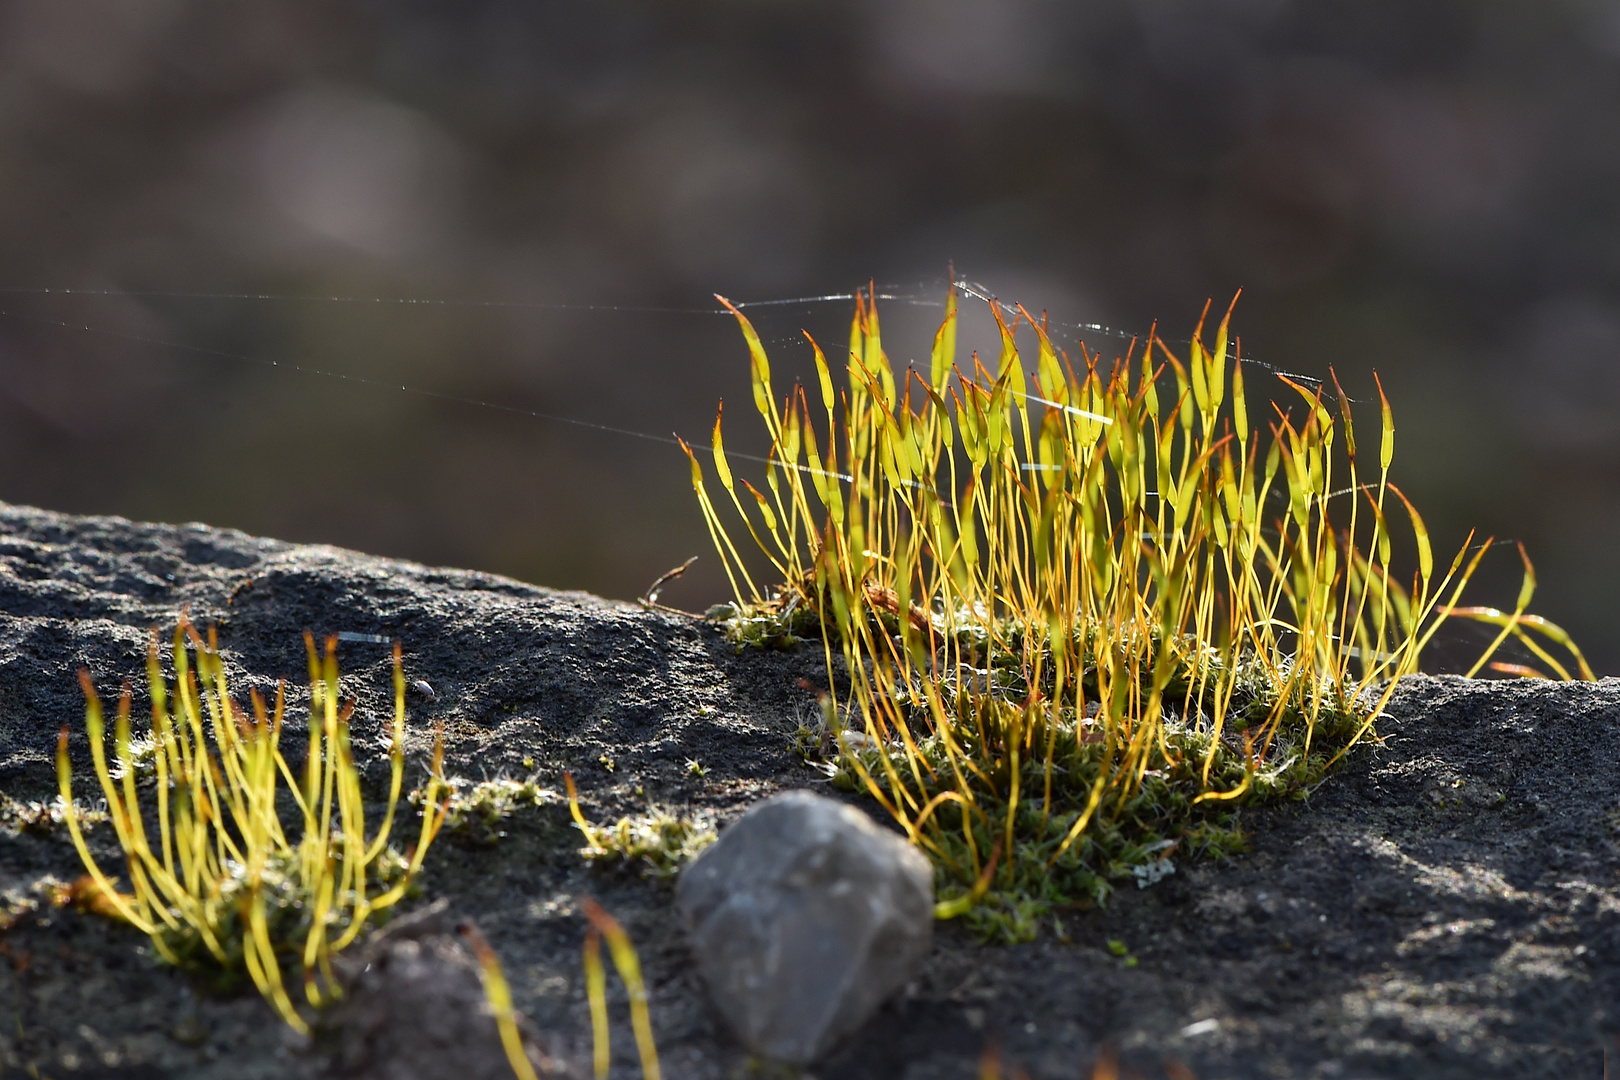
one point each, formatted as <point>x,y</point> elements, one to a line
<point>64,777</point>
<point>596,994</point>
<point>269,976</point>
<point>629,968</point>
<point>1526,590</point>
<point>499,994</point>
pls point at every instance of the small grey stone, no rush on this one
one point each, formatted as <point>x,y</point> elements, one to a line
<point>414,1008</point>
<point>804,917</point>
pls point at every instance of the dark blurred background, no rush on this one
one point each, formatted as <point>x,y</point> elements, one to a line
<point>1430,188</point>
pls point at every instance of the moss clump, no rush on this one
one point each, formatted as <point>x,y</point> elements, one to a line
<point>781,624</point>
<point>45,817</point>
<point>221,884</point>
<point>657,843</point>
<point>475,811</point>
<point>1081,614</point>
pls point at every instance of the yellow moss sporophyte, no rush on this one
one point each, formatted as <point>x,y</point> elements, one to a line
<point>1079,611</point>
<point>245,872</point>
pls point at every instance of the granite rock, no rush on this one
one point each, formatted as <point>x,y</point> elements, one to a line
<point>804,917</point>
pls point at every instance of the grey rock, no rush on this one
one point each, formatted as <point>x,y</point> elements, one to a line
<point>414,1008</point>
<point>804,917</point>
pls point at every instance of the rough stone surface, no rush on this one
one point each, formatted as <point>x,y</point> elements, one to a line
<point>415,1009</point>
<point>804,917</point>
<point>1445,907</point>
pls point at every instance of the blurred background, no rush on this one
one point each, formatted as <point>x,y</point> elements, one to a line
<point>1429,188</point>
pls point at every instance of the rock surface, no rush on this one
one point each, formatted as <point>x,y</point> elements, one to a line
<point>804,917</point>
<point>1446,906</point>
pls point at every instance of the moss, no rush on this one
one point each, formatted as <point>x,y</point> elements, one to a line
<point>48,817</point>
<point>1081,618</point>
<point>223,884</point>
<point>657,843</point>
<point>475,811</point>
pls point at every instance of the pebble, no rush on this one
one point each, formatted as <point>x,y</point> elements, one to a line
<point>804,917</point>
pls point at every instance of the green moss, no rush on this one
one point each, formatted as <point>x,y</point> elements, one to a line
<point>45,818</point>
<point>779,623</point>
<point>657,843</point>
<point>475,811</point>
